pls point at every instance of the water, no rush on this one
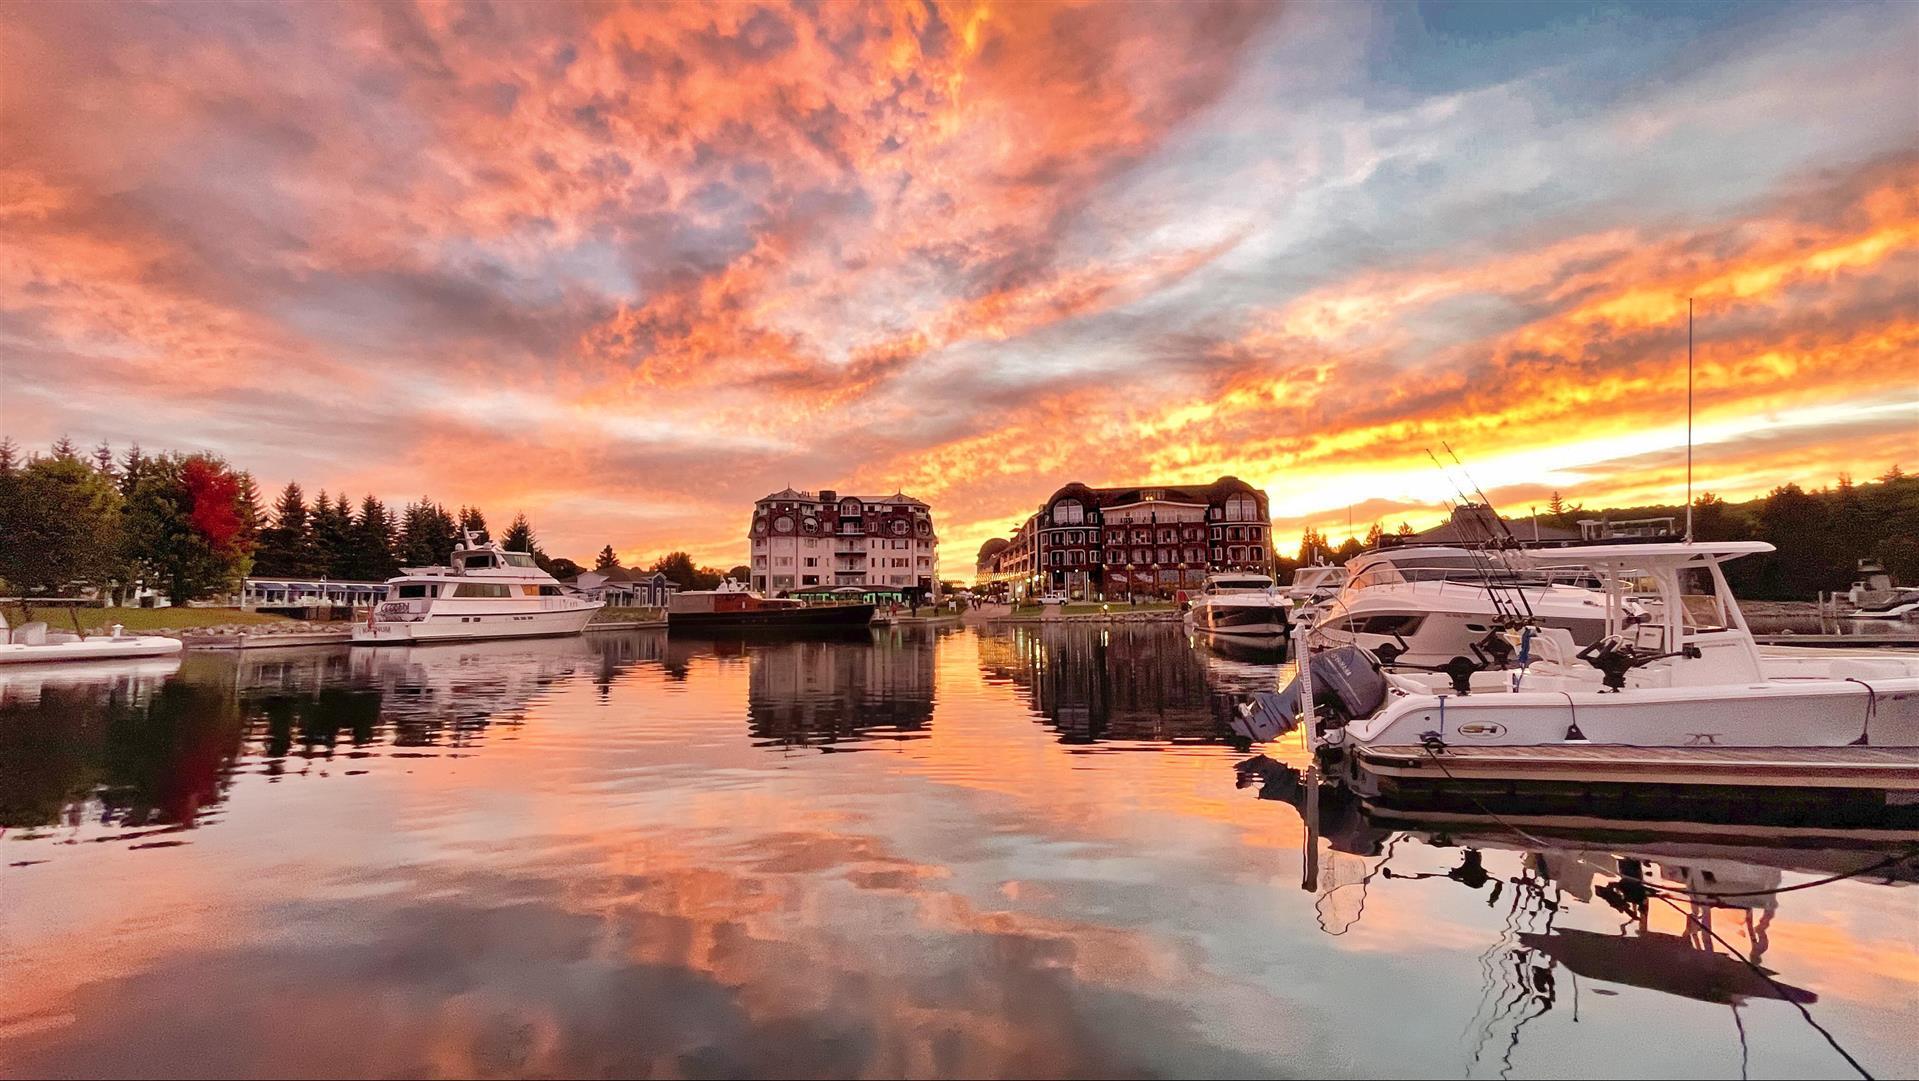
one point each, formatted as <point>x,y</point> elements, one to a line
<point>1021,852</point>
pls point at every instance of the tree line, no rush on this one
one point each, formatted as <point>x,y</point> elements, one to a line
<point>1819,535</point>
<point>191,526</point>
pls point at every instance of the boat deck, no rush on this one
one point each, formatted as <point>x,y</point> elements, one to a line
<point>1891,769</point>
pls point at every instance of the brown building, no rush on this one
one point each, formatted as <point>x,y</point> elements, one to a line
<point>1134,541</point>
<point>808,541</point>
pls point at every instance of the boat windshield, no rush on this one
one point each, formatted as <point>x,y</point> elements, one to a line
<point>520,559</point>
<point>1239,585</point>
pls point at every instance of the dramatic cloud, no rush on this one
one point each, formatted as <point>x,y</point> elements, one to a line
<point>628,268</point>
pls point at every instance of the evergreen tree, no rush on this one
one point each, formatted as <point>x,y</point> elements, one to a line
<point>472,519</point>
<point>9,456</point>
<point>1373,535</point>
<point>564,569</point>
<point>103,462</point>
<point>333,536</point>
<point>519,536</point>
<point>446,534</point>
<point>369,550</point>
<point>678,567</point>
<point>1405,529</point>
<point>606,560</point>
<point>64,450</point>
<point>132,467</point>
<point>286,547</point>
<point>417,545</point>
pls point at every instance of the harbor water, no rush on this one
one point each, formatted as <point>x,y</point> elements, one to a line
<point>1015,850</point>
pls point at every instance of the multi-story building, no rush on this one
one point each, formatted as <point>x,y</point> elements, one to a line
<point>807,541</point>
<point>1135,540</point>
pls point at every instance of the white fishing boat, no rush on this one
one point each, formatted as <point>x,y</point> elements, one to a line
<point>1240,604</point>
<point>488,592</point>
<point>33,643</point>
<point>1682,672</point>
<point>1439,606</point>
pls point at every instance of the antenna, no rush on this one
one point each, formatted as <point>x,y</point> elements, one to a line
<point>1688,420</point>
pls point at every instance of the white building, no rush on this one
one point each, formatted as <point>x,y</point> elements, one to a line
<point>806,542</point>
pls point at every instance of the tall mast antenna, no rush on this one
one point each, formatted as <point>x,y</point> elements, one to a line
<point>1688,420</point>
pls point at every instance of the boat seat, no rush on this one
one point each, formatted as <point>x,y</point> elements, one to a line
<point>30,634</point>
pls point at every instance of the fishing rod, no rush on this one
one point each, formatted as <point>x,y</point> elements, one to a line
<point>1482,563</point>
<point>1512,542</point>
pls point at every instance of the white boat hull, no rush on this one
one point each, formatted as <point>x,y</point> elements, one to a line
<point>99,648</point>
<point>1881,712</point>
<point>1239,617</point>
<point>462,627</point>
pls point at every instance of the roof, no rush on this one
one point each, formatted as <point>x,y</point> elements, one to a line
<point>1173,493</point>
<point>1644,555</point>
<point>794,496</point>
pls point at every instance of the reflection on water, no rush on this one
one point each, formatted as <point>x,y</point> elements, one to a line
<point>578,856</point>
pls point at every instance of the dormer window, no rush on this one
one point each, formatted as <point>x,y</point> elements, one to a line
<point>1068,512</point>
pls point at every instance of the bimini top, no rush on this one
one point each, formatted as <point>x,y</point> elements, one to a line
<point>1644,555</point>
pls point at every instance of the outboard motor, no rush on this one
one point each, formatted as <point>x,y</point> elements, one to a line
<point>1347,684</point>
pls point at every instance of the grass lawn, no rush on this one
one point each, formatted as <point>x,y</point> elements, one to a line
<point>141,619</point>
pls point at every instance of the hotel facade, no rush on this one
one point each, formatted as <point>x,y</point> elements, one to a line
<point>816,541</point>
<point>1133,541</point>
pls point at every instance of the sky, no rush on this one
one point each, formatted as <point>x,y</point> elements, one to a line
<point>629,268</point>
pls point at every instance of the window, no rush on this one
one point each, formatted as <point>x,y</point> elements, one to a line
<point>1258,552</point>
<point>1389,624</point>
<point>480,589</point>
<point>479,562</point>
<point>550,591</point>
<point>1068,512</point>
<point>412,591</point>
<point>519,559</point>
<point>1242,508</point>
<point>812,561</point>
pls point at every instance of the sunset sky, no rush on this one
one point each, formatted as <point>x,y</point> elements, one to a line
<point>629,268</point>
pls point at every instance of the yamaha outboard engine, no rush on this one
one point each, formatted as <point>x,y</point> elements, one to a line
<point>1347,684</point>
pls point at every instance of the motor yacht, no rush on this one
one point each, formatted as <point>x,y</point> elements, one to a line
<point>488,592</point>
<point>1315,583</point>
<point>1431,607</point>
<point>1683,670</point>
<point>1240,604</point>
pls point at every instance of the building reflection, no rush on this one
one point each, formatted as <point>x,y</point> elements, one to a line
<point>814,692</point>
<point>1093,683</point>
<point>157,743</point>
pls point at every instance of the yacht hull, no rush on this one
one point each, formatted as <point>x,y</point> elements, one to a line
<point>472,626</point>
<point>1211,616</point>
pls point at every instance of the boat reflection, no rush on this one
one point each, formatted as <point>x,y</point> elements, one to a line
<point>1713,885</point>
<point>154,746</point>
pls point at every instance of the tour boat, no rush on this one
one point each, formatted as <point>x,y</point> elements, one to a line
<point>1431,607</point>
<point>33,643</point>
<point>1240,604</point>
<point>1681,671</point>
<point>488,592</point>
<point>734,606</point>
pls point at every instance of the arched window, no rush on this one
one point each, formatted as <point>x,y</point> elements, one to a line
<point>1068,512</point>
<point>1242,508</point>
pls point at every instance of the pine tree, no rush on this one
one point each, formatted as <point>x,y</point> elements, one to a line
<point>64,450</point>
<point>519,536</point>
<point>607,559</point>
<point>103,462</point>
<point>9,456</point>
<point>472,519</point>
<point>286,547</point>
<point>132,468</point>
<point>332,536</point>
<point>1373,535</point>
<point>1405,529</point>
<point>369,556</point>
<point>417,547</point>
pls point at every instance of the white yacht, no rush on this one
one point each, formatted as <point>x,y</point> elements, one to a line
<point>1684,671</point>
<point>1240,604</point>
<point>488,592</point>
<point>1427,607</point>
<point>1316,583</point>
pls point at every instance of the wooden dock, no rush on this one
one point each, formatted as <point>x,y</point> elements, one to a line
<point>266,641</point>
<point>1891,769</point>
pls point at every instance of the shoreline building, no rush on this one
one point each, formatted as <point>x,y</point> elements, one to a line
<point>1139,540</point>
<point>807,542</point>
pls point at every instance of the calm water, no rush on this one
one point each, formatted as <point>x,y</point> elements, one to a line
<point>958,853</point>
